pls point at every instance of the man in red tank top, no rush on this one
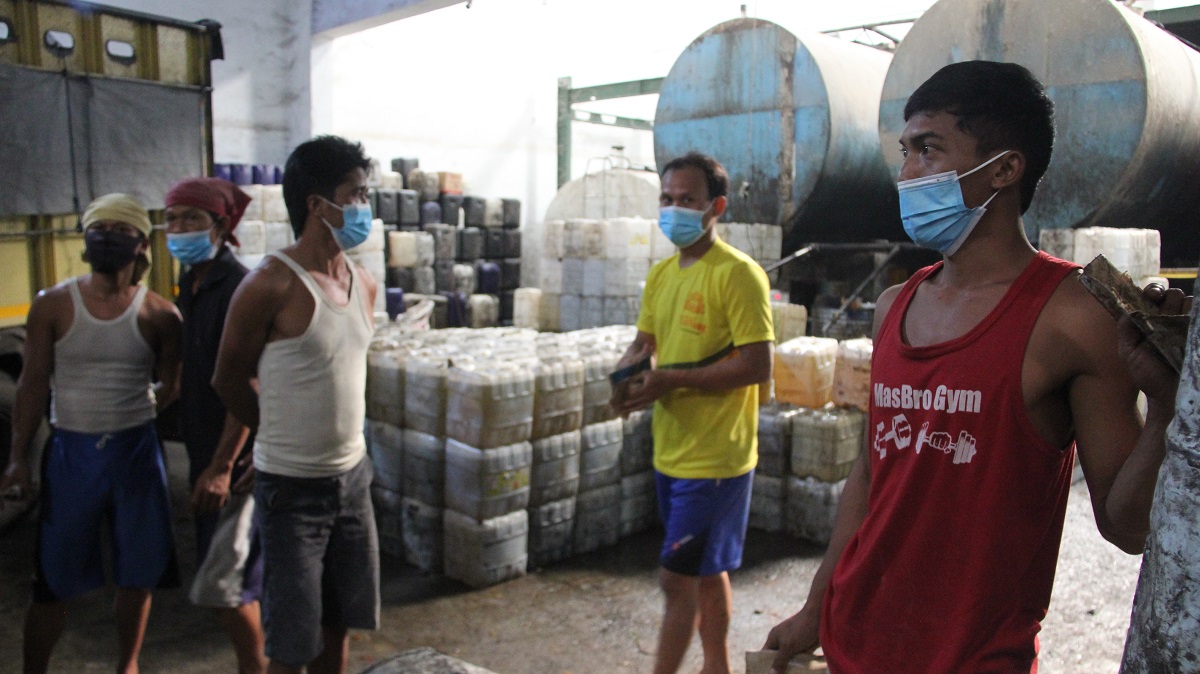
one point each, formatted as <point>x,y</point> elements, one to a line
<point>946,541</point>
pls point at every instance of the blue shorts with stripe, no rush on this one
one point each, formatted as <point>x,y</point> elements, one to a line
<point>705,521</point>
<point>90,481</point>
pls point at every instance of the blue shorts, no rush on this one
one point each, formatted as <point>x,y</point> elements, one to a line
<point>90,480</point>
<point>705,522</point>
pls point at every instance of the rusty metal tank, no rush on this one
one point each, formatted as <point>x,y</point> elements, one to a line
<point>793,117</point>
<point>1126,93</point>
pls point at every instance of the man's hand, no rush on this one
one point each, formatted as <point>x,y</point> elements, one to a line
<point>798,634</point>
<point>1171,301</point>
<point>640,391</point>
<point>637,352</point>
<point>212,490</point>
<point>245,483</point>
<point>15,484</point>
<point>1148,371</point>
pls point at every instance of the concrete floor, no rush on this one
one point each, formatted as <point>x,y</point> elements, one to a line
<point>594,614</point>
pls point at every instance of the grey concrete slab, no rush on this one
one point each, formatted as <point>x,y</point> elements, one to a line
<point>594,614</point>
<point>424,661</point>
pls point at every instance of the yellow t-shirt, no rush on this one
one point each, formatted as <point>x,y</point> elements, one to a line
<point>698,315</point>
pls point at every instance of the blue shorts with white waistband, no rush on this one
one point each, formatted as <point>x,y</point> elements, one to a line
<point>90,480</point>
<point>705,522</point>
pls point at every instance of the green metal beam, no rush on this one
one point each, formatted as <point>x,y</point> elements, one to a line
<point>618,90</point>
<point>612,120</point>
<point>568,97</point>
<point>1175,15</point>
<point>564,130</point>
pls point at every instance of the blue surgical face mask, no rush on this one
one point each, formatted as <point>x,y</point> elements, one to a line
<point>933,211</point>
<point>356,224</point>
<point>683,226</point>
<point>192,247</point>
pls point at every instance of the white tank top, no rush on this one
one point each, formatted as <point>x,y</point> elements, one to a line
<point>312,388</point>
<point>103,371</point>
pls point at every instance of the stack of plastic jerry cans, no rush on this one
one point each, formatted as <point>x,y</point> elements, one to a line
<point>768,497</point>
<point>489,421</point>
<point>558,416</point>
<point>598,511</point>
<point>825,444</point>
<point>639,505</point>
<point>474,272</point>
<point>593,271</point>
<point>484,466</point>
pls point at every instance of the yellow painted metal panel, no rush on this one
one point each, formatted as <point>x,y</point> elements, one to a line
<point>14,225</point>
<point>14,311</point>
<point>122,30</point>
<point>1179,273</point>
<point>16,283</point>
<point>176,55</point>
<point>162,52</point>
<point>68,257</point>
<point>9,52</point>
<point>10,316</point>
<point>49,17</point>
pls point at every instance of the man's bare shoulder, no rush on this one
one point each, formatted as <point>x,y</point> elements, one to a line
<point>887,298</point>
<point>1073,308</point>
<point>1076,327</point>
<point>160,307</point>
<point>54,293</point>
<point>52,300</point>
<point>365,274</point>
<point>883,305</point>
<point>272,277</point>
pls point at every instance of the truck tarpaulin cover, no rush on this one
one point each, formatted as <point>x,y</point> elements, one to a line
<point>129,136</point>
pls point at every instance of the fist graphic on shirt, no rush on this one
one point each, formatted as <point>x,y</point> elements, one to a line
<point>941,440</point>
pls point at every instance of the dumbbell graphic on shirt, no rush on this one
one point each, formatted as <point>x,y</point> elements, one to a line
<point>900,434</point>
<point>963,450</point>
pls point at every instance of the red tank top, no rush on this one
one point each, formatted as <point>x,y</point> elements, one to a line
<point>952,568</point>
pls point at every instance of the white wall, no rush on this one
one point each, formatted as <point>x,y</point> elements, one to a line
<point>261,103</point>
<point>472,90</point>
<point>339,17</point>
<point>475,90</point>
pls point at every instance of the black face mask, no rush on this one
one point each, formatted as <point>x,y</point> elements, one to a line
<point>108,252</point>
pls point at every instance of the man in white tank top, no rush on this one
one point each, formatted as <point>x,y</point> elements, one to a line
<point>96,343</point>
<point>292,365</point>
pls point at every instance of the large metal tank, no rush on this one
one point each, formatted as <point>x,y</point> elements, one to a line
<point>794,120</point>
<point>1126,93</point>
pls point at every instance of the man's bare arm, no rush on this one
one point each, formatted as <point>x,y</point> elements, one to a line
<point>642,347</point>
<point>212,487</point>
<point>1119,454</point>
<point>168,326</point>
<point>801,632</point>
<point>750,364</point>
<point>33,392</point>
<point>252,312</point>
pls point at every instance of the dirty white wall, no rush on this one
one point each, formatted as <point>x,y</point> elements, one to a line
<point>340,17</point>
<point>466,89</point>
<point>474,89</point>
<point>261,103</point>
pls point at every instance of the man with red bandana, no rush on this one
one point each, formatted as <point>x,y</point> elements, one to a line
<point>201,216</point>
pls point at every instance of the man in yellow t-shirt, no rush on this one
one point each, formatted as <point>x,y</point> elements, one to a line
<point>706,326</point>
